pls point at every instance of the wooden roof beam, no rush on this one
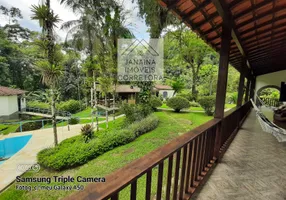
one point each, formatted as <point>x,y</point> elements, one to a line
<point>195,10</point>
<point>224,12</point>
<point>234,3</point>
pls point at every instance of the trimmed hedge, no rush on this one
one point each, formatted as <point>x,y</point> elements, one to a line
<point>155,102</point>
<point>178,103</point>
<point>74,151</point>
<point>71,106</point>
<point>208,104</point>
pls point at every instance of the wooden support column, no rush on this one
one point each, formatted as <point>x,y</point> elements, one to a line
<point>246,99</point>
<point>222,84</point>
<point>240,89</point>
<point>222,72</point>
<point>252,88</point>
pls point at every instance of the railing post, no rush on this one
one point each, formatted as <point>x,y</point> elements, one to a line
<point>222,82</point>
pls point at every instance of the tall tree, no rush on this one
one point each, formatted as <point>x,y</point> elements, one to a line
<point>115,27</point>
<point>156,17</point>
<point>189,51</point>
<point>50,68</point>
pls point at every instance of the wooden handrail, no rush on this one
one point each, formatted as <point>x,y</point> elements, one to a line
<point>195,148</point>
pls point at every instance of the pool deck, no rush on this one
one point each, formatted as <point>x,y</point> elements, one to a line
<point>28,155</point>
<point>41,139</point>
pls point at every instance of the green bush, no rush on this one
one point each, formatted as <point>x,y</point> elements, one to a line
<point>73,120</point>
<point>145,125</point>
<point>178,103</point>
<point>135,112</point>
<point>155,102</point>
<point>188,96</point>
<point>232,97</point>
<point>208,104</point>
<point>74,152</point>
<point>37,104</point>
<point>71,106</point>
<point>194,104</point>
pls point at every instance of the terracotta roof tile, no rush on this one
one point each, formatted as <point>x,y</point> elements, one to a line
<point>5,91</point>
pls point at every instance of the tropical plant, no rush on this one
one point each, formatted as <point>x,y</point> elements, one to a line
<point>87,132</point>
<point>50,69</point>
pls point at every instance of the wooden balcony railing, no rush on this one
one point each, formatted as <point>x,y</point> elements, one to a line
<point>175,170</point>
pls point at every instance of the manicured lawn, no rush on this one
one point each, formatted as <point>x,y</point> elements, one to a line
<point>190,109</point>
<point>171,126</point>
<point>84,113</point>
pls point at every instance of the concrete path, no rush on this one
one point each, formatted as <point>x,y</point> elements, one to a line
<point>27,156</point>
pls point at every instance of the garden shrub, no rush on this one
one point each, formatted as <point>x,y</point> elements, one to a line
<point>188,96</point>
<point>155,102</point>
<point>194,104</point>
<point>73,120</point>
<point>135,112</point>
<point>37,104</point>
<point>74,152</point>
<point>178,103</point>
<point>145,125</point>
<point>71,106</point>
<point>208,104</point>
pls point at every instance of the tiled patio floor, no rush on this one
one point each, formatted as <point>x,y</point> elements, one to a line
<point>254,167</point>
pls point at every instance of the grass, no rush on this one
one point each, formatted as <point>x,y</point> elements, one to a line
<point>227,106</point>
<point>11,129</point>
<point>171,126</point>
<point>83,113</point>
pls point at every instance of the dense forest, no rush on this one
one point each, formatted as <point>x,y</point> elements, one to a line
<point>89,52</point>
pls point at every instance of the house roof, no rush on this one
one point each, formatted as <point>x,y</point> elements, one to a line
<point>162,87</point>
<point>127,89</point>
<point>5,91</point>
<point>258,29</point>
<point>124,89</point>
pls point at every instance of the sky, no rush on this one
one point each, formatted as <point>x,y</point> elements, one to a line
<point>138,26</point>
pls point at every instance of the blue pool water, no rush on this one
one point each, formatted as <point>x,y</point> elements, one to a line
<point>10,146</point>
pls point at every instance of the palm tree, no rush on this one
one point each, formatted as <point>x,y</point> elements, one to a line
<point>50,69</point>
<point>114,29</point>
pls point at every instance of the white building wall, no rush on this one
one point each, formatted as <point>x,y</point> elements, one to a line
<point>13,104</point>
<point>4,106</point>
<point>270,79</point>
<point>8,105</point>
<point>169,93</point>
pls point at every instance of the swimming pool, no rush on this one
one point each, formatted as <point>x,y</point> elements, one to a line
<point>10,146</point>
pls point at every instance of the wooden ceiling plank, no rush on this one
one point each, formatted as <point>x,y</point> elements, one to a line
<point>224,12</point>
<point>197,9</point>
<point>251,20</point>
<point>257,6</point>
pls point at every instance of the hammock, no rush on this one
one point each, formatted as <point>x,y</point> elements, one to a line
<point>268,126</point>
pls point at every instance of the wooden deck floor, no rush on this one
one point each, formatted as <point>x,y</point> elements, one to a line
<point>254,167</point>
